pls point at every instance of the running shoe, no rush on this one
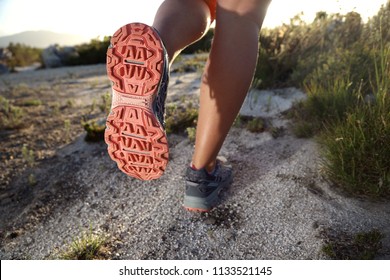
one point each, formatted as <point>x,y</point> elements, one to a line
<point>203,189</point>
<point>137,65</point>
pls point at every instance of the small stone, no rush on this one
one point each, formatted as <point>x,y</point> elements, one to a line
<point>210,221</point>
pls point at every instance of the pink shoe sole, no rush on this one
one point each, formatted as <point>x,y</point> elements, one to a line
<point>135,64</point>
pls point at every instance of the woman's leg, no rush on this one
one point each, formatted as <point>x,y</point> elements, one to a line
<point>228,74</point>
<point>180,23</point>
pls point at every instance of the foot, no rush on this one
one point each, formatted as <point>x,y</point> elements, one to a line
<point>137,66</point>
<point>203,189</point>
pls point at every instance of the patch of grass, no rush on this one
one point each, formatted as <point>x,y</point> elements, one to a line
<point>28,155</point>
<point>191,134</point>
<point>348,109</point>
<point>93,106</point>
<point>70,103</point>
<point>356,152</point>
<point>256,125</point>
<point>180,117</point>
<point>253,124</point>
<point>324,104</point>
<point>305,128</point>
<point>105,105</point>
<point>55,107</point>
<point>21,89</point>
<point>11,117</point>
<point>343,246</point>
<point>277,132</point>
<point>95,130</point>
<point>31,102</point>
<point>193,64</point>
<point>89,246</point>
<point>355,148</point>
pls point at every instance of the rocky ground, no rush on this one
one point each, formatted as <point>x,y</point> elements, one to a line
<point>279,206</point>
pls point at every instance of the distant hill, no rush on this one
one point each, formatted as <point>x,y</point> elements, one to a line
<point>43,39</point>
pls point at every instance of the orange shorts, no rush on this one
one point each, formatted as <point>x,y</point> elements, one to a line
<point>213,8</point>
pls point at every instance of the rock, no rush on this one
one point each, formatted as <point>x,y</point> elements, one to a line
<point>3,69</point>
<point>270,103</point>
<point>67,53</point>
<point>50,57</point>
<point>55,56</point>
<point>5,55</point>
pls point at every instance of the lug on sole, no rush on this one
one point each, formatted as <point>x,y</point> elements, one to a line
<point>135,138</point>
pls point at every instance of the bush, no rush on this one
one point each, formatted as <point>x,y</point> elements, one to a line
<point>180,117</point>
<point>93,52</point>
<point>346,75</point>
<point>290,53</point>
<point>23,55</point>
<point>355,149</point>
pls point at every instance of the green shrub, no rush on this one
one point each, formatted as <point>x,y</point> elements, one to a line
<point>326,102</point>
<point>179,118</point>
<point>95,130</point>
<point>356,149</point>
<point>252,124</point>
<point>23,55</point>
<point>31,102</point>
<point>289,53</point>
<point>93,52</point>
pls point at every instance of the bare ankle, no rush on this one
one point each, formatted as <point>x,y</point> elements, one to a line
<point>208,167</point>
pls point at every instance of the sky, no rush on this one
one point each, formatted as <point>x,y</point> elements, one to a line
<point>95,18</point>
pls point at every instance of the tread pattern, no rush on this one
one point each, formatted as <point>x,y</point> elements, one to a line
<point>136,140</point>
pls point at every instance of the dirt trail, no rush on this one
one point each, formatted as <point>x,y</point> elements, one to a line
<point>279,206</point>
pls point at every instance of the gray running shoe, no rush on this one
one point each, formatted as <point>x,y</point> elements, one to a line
<point>203,189</point>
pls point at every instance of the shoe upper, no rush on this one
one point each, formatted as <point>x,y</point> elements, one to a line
<point>159,102</point>
<point>200,183</point>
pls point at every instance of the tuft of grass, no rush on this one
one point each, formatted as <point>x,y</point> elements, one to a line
<point>11,117</point>
<point>253,124</point>
<point>356,152</point>
<point>180,117</point>
<point>28,155</point>
<point>325,103</point>
<point>342,246</point>
<point>31,102</point>
<point>191,133</point>
<point>70,103</point>
<point>95,130</point>
<point>89,246</point>
<point>105,105</point>
<point>55,107</point>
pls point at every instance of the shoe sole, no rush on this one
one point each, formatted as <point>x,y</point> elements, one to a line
<point>136,140</point>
